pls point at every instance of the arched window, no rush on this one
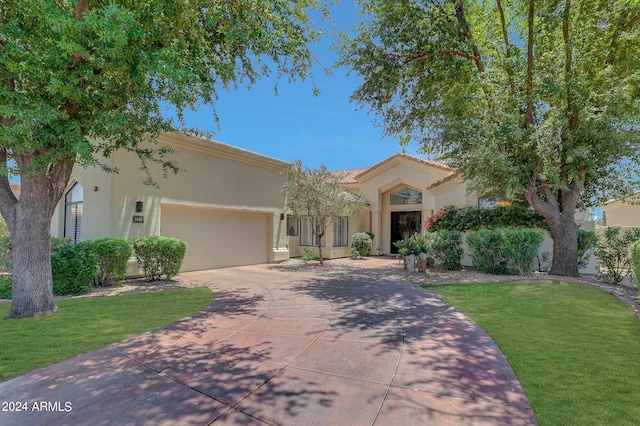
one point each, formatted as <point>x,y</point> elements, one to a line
<point>73,213</point>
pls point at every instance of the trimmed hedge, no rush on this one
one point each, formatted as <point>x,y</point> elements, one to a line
<point>72,268</point>
<point>113,257</point>
<point>463,219</point>
<point>159,256</point>
<point>446,247</point>
<point>504,252</point>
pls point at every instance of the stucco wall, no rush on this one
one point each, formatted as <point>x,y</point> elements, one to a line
<point>622,214</point>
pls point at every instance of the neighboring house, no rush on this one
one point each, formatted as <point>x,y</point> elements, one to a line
<point>622,212</point>
<point>402,191</point>
<point>227,204</point>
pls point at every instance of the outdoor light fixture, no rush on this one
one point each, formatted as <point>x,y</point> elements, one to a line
<point>139,206</point>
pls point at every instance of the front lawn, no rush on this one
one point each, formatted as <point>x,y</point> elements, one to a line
<point>82,325</point>
<point>575,349</point>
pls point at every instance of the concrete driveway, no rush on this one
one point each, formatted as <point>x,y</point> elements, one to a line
<point>287,348</point>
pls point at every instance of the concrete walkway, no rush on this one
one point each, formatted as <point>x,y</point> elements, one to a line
<point>286,348</point>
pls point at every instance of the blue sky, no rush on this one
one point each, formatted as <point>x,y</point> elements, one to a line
<point>296,125</point>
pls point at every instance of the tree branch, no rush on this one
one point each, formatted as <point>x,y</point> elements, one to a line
<point>420,55</point>
<point>530,40</point>
<point>466,31</point>
<point>507,46</point>
<point>568,57</point>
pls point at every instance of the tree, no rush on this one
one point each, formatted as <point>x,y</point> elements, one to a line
<point>317,195</point>
<point>83,78</point>
<point>536,98</point>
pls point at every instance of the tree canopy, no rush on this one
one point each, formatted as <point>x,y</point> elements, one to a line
<point>537,99</point>
<point>80,79</point>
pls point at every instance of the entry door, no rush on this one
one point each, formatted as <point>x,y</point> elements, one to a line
<point>404,224</point>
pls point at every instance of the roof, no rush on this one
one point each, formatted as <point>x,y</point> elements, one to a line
<point>435,164</point>
<point>635,196</point>
<point>348,176</point>
<point>443,180</point>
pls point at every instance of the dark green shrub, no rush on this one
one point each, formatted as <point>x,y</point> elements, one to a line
<point>5,287</point>
<point>72,268</point>
<point>487,254</point>
<point>506,251</point>
<point>635,260</point>
<point>113,257</point>
<point>446,247</point>
<point>361,243</point>
<point>159,256</point>
<point>587,241</point>
<point>463,219</point>
<point>6,255</point>
<point>307,254</point>
<point>613,251</point>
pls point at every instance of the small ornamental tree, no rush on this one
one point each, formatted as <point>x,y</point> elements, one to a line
<point>317,195</point>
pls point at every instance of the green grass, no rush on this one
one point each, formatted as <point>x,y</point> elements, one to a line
<point>82,325</point>
<point>575,349</point>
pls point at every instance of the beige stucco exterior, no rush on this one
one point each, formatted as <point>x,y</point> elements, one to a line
<point>217,180</point>
<point>622,212</point>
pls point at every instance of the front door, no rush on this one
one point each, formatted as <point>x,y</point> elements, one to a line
<point>404,224</point>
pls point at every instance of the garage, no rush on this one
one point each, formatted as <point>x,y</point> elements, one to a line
<point>217,238</point>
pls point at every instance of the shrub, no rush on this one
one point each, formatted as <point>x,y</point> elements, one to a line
<point>587,241</point>
<point>463,219</point>
<point>159,256</point>
<point>506,251</point>
<point>307,254</point>
<point>361,243</point>
<point>635,260</point>
<point>613,253</point>
<point>113,257</point>
<point>414,244</point>
<point>72,268</point>
<point>5,287</point>
<point>6,255</point>
<point>446,247</point>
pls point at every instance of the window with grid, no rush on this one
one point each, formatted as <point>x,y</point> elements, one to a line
<point>73,213</point>
<point>306,234</point>
<point>341,232</point>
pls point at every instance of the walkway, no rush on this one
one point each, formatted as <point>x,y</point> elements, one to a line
<point>287,348</point>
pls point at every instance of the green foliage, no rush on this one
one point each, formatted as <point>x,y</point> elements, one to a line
<point>361,243</point>
<point>307,254</point>
<point>613,253</point>
<point>6,255</point>
<point>446,247</point>
<point>635,260</point>
<point>504,252</point>
<point>5,286</point>
<point>318,195</point>
<point>159,256</point>
<point>113,256</point>
<point>413,244</point>
<point>73,268</point>
<point>587,241</point>
<point>463,219</point>
<point>4,231</point>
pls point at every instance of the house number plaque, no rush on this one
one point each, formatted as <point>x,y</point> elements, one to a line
<point>138,219</point>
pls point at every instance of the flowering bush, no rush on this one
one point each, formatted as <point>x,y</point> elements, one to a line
<point>452,218</point>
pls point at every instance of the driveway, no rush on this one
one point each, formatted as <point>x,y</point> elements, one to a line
<point>282,347</point>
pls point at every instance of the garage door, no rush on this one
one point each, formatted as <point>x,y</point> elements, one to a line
<point>217,238</point>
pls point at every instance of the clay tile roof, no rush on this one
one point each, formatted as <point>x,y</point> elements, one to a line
<point>443,180</point>
<point>439,164</point>
<point>349,175</point>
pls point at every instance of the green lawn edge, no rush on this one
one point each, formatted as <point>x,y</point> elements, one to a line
<point>574,348</point>
<point>84,324</point>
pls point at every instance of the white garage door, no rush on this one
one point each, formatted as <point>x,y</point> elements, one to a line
<point>217,238</point>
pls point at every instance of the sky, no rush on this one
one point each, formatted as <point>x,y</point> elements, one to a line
<point>296,125</point>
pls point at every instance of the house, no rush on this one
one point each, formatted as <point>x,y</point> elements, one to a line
<point>227,203</point>
<point>402,191</point>
<point>622,212</point>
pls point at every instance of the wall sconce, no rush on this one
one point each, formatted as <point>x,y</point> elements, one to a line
<point>281,216</point>
<point>139,206</point>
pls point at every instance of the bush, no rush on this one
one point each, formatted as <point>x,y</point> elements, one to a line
<point>6,255</point>
<point>613,251</point>
<point>159,256</point>
<point>587,241</point>
<point>5,287</point>
<point>361,243</point>
<point>446,247</point>
<point>635,260</point>
<point>506,251</point>
<point>113,257</point>
<point>72,268</point>
<point>307,254</point>
<point>463,219</point>
<point>414,244</point>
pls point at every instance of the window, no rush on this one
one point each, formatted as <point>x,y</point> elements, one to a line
<point>406,196</point>
<point>73,213</point>
<point>492,201</point>
<point>306,235</point>
<point>292,226</point>
<point>341,232</point>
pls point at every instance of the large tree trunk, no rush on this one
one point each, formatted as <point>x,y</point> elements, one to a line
<point>559,208</point>
<point>29,222</point>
